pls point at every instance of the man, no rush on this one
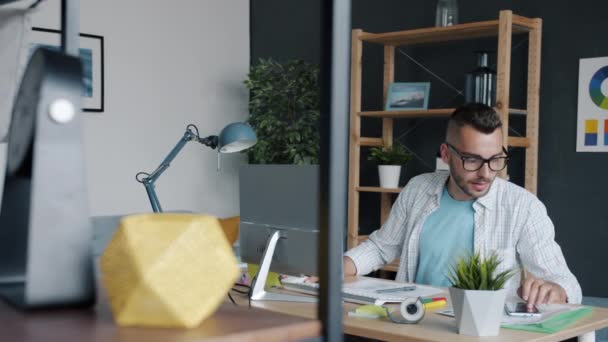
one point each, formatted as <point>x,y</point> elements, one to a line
<point>440,216</point>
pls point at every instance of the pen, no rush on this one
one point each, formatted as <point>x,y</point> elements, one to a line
<point>397,289</point>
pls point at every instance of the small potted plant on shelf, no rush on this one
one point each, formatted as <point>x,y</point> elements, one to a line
<point>390,159</point>
<point>477,293</point>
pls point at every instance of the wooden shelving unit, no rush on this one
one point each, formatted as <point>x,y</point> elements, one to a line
<point>503,28</point>
<point>378,189</point>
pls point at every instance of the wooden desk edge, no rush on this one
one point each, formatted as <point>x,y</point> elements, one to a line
<point>597,320</point>
<point>291,332</point>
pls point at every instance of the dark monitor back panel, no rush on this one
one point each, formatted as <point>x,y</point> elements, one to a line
<point>295,253</point>
<point>283,198</point>
<point>280,195</point>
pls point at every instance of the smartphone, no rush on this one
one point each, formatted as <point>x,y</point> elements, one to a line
<point>521,309</point>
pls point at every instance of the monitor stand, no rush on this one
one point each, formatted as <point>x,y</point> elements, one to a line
<point>258,292</point>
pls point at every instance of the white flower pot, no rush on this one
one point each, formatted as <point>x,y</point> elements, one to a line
<point>389,175</point>
<point>477,312</point>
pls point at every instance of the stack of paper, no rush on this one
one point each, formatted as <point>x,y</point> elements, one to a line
<point>366,290</point>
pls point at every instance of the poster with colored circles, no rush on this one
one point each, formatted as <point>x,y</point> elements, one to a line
<point>592,121</point>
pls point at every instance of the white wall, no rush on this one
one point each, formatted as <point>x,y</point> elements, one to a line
<point>167,64</point>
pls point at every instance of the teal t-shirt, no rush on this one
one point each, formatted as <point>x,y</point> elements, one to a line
<point>446,235</point>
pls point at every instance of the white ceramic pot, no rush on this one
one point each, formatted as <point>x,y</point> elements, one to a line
<point>389,175</point>
<point>477,312</point>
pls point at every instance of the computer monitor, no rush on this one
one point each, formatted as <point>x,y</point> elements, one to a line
<point>279,227</point>
<point>45,229</point>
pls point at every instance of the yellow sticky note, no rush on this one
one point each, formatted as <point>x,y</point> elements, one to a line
<point>271,281</point>
<point>372,310</point>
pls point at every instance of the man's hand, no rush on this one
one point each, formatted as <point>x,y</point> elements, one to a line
<point>311,279</point>
<point>349,270</point>
<point>537,291</point>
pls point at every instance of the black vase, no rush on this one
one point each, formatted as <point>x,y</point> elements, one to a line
<point>480,84</point>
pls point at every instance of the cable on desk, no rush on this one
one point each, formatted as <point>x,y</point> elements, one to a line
<point>232,299</point>
<point>239,290</point>
<point>250,293</point>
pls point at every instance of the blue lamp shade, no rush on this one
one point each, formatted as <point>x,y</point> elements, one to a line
<point>236,137</point>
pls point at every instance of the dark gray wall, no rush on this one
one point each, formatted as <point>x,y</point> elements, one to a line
<point>572,185</point>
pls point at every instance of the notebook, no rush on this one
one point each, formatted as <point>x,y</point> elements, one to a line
<point>363,290</point>
<point>554,318</point>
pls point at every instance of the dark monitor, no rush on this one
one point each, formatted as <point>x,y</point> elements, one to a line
<point>45,230</point>
<point>280,200</point>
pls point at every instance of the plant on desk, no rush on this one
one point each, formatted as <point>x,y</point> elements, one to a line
<point>390,159</point>
<point>477,293</point>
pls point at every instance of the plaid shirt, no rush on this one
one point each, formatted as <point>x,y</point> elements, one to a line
<point>509,220</point>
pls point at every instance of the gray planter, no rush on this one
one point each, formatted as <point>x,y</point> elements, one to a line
<point>389,176</point>
<point>477,312</point>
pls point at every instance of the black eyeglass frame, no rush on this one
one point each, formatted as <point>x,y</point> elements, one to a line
<point>484,161</point>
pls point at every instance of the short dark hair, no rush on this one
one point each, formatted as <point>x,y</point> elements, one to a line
<point>477,115</point>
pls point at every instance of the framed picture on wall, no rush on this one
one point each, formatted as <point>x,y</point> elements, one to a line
<point>592,120</point>
<point>408,96</point>
<point>91,56</point>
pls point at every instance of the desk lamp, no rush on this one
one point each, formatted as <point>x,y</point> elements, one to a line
<point>234,137</point>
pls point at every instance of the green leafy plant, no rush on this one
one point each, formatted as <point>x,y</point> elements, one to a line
<point>391,155</point>
<point>284,108</point>
<point>472,272</point>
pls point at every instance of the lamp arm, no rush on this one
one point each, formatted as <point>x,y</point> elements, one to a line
<point>211,141</point>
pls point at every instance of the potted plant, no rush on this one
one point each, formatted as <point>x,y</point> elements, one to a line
<point>477,293</point>
<point>389,160</point>
<point>284,112</point>
<point>284,108</point>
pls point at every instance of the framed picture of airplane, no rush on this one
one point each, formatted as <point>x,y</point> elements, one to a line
<point>408,96</point>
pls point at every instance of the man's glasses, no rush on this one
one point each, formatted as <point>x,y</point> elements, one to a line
<point>470,163</point>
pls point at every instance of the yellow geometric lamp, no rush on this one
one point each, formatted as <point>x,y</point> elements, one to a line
<point>167,270</point>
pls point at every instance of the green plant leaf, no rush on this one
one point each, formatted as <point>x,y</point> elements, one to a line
<point>473,272</point>
<point>284,112</point>
<point>483,273</point>
<point>396,154</point>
